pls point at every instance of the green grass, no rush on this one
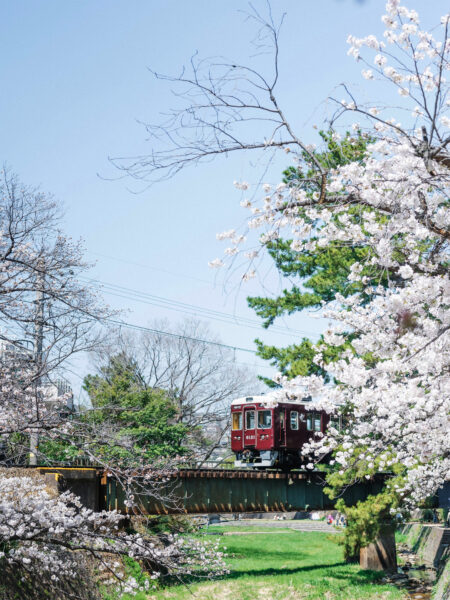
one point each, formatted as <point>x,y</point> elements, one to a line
<point>295,565</point>
<point>400,538</point>
<point>246,528</point>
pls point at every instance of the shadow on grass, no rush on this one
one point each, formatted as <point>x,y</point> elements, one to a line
<point>339,570</point>
<point>271,571</point>
<point>267,555</point>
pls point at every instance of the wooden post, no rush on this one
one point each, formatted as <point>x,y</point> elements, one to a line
<point>381,555</point>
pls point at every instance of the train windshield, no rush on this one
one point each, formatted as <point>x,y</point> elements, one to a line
<point>250,419</point>
<point>264,419</point>
<point>237,421</point>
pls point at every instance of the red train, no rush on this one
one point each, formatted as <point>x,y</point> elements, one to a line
<point>267,433</point>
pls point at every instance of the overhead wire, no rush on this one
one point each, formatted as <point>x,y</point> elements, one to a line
<point>177,335</point>
<point>190,338</point>
<point>190,309</point>
<point>151,268</point>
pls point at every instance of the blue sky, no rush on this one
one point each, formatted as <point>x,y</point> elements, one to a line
<point>75,83</point>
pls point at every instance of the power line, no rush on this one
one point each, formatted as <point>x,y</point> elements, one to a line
<point>190,309</point>
<point>143,266</point>
<point>178,335</point>
<point>185,337</point>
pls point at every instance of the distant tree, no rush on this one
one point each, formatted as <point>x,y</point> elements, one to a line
<point>45,309</point>
<point>145,417</point>
<point>199,375</point>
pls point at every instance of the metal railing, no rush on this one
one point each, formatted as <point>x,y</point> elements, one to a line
<point>225,463</point>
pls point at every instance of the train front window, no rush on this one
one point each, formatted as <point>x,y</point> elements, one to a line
<point>237,421</point>
<point>317,422</point>
<point>264,419</point>
<point>294,420</point>
<point>250,419</point>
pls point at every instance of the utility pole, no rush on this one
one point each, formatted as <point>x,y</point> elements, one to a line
<point>38,344</point>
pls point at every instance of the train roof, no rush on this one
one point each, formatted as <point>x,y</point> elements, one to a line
<point>270,400</point>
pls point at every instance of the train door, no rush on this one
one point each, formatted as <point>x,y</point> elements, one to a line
<point>237,431</point>
<point>283,427</point>
<point>293,434</point>
<point>250,426</point>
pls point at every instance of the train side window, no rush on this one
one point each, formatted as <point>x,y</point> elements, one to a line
<point>336,423</point>
<point>264,419</point>
<point>317,422</point>
<point>294,420</point>
<point>250,419</point>
<point>313,422</point>
<point>237,421</point>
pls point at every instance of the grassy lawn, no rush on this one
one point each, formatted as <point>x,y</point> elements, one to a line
<point>293,565</point>
<point>233,529</point>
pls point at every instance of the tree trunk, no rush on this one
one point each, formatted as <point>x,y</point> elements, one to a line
<point>381,555</point>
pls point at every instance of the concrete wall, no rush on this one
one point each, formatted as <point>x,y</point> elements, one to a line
<point>432,544</point>
<point>82,482</point>
<point>442,588</point>
<point>427,541</point>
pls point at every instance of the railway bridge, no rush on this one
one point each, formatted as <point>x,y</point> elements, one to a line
<point>216,491</point>
<point>196,491</point>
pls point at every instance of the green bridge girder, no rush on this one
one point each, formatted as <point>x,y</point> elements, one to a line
<point>214,491</point>
<point>196,492</point>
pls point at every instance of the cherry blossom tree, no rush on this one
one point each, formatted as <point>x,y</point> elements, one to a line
<point>48,536</point>
<point>392,382</point>
<point>47,316</point>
